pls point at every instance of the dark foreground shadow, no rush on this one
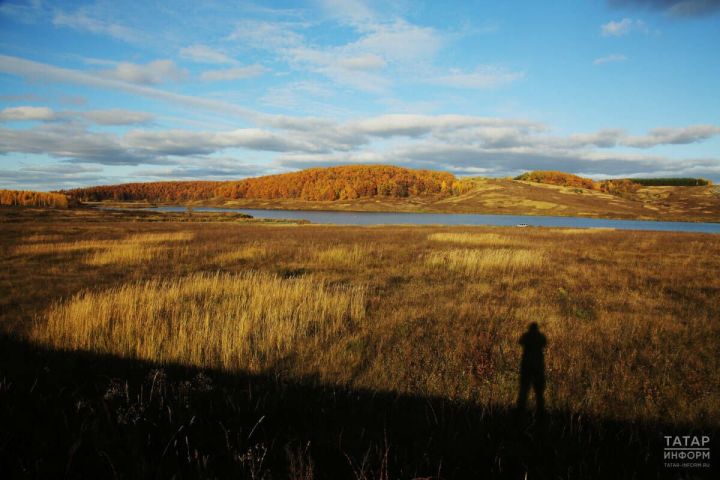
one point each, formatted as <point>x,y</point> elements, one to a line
<point>79,415</point>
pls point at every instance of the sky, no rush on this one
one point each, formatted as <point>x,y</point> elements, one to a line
<point>108,92</point>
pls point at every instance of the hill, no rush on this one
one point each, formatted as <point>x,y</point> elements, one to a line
<point>395,189</point>
<point>332,183</point>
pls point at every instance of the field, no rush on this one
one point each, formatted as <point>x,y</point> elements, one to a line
<point>211,345</point>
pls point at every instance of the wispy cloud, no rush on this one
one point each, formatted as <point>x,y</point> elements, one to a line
<point>83,20</point>
<point>484,76</point>
<point>623,27</point>
<point>673,8</point>
<point>159,71</point>
<point>204,54</point>
<point>26,113</point>
<point>234,73</point>
<point>612,58</point>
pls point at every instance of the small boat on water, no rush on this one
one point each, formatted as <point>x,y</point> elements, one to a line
<point>522,225</point>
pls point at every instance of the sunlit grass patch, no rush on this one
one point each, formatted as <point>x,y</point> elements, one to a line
<point>245,253</point>
<point>490,239</point>
<point>126,245</point>
<point>211,320</point>
<point>160,237</point>
<point>344,255</point>
<point>123,254</point>
<point>136,249</point>
<point>63,247</point>
<point>575,231</point>
<point>476,261</point>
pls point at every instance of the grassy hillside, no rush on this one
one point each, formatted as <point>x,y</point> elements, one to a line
<point>513,197</point>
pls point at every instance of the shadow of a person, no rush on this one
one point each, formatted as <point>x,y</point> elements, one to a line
<point>532,368</point>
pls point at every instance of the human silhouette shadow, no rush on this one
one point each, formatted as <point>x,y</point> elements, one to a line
<point>532,368</point>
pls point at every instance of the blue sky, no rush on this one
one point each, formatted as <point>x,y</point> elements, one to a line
<point>109,92</point>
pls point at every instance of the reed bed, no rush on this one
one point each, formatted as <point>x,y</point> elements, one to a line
<point>488,239</point>
<point>253,251</point>
<point>124,246</point>
<point>474,262</point>
<point>63,247</point>
<point>245,321</point>
<point>343,255</point>
<point>123,254</point>
<point>576,231</point>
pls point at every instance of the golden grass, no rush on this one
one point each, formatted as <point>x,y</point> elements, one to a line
<point>343,255</point>
<point>244,321</point>
<point>127,251</point>
<point>473,262</point>
<point>489,239</point>
<point>63,247</point>
<point>249,252</point>
<point>580,231</point>
<point>611,305</point>
<point>123,254</point>
<point>144,238</point>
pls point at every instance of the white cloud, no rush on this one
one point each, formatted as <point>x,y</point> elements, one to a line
<point>159,71</point>
<point>673,136</point>
<point>234,73</point>
<point>623,27</point>
<point>26,113</point>
<point>357,64</point>
<point>484,76</point>
<point>204,54</point>
<point>45,72</point>
<point>82,20</point>
<point>117,116</point>
<point>362,62</point>
<point>612,58</point>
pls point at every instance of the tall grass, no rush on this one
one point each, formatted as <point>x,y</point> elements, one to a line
<point>245,321</point>
<point>443,319</point>
<point>343,255</point>
<point>473,262</point>
<point>123,254</point>
<point>62,247</point>
<point>252,251</point>
<point>127,251</point>
<point>489,239</point>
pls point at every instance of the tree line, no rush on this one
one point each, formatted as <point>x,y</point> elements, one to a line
<point>332,183</point>
<point>26,198</point>
<point>615,186</point>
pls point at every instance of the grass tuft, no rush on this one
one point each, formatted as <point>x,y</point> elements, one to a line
<point>244,321</point>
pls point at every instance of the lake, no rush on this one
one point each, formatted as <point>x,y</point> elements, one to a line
<point>380,218</point>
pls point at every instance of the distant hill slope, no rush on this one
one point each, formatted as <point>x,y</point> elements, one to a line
<point>513,197</point>
<point>395,189</point>
<point>332,183</point>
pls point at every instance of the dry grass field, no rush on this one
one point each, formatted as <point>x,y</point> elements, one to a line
<point>632,318</point>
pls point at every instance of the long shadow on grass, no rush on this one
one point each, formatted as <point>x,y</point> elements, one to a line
<point>80,415</point>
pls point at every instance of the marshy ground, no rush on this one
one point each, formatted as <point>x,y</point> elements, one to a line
<point>201,347</point>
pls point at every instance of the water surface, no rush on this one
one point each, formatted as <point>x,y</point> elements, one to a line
<point>381,218</point>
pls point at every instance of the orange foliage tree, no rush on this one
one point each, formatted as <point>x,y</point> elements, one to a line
<point>26,198</point>
<point>553,177</point>
<point>333,183</point>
